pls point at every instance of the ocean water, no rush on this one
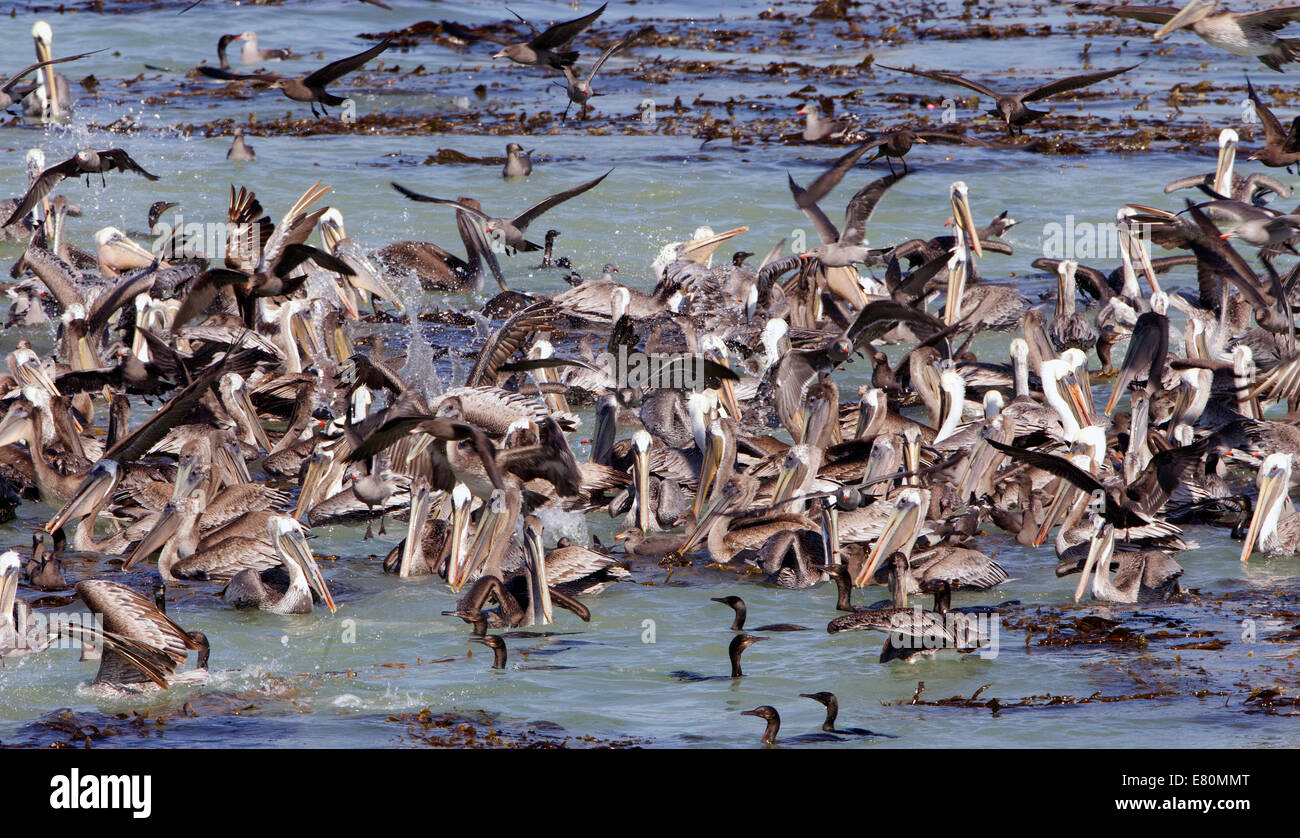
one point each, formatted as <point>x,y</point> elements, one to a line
<point>344,680</point>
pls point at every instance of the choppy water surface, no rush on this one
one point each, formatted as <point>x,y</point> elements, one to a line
<point>336,680</point>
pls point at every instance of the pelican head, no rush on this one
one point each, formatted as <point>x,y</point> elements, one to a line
<point>290,540</point>
<point>1100,550</point>
<point>899,534</point>
<point>641,443</point>
<point>959,195</point>
<point>493,525</point>
<point>331,227</point>
<point>9,567</point>
<point>94,489</point>
<point>1274,480</point>
<point>1189,15</point>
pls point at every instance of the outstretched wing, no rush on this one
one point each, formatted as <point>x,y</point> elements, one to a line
<point>343,66</point>
<point>120,160</point>
<point>42,186</point>
<point>559,34</point>
<point>949,78</point>
<point>1072,83</point>
<point>523,219</point>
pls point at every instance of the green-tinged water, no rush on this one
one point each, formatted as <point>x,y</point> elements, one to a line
<point>334,680</point>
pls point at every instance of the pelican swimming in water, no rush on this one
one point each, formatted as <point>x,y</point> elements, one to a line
<point>142,647</point>
<point>1275,526</point>
<point>1145,576</point>
<point>253,589</point>
<point>52,97</point>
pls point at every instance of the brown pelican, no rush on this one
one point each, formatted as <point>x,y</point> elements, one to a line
<point>1226,182</point>
<point>1240,33</point>
<point>142,647</point>
<point>439,269</point>
<point>52,97</point>
<point>1068,327</point>
<point>429,541</point>
<point>19,633</point>
<point>1275,527</point>
<point>253,589</point>
<point>544,49</point>
<point>8,95</point>
<point>261,260</point>
<point>1147,576</point>
<point>1010,108</point>
<point>364,279</point>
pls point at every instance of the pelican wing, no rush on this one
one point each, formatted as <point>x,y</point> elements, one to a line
<point>1269,20</point>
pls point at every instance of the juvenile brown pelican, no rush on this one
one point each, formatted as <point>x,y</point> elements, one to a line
<point>1010,108</point>
<point>87,162</point>
<point>239,148</point>
<point>142,647</point>
<point>509,231</point>
<point>519,163</point>
<point>1240,33</point>
<point>543,50</point>
<point>266,590</point>
<point>439,269</point>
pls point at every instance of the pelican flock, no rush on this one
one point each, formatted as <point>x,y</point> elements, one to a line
<point>816,421</point>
